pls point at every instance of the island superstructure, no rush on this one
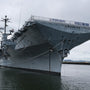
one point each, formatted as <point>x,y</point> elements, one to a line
<point>42,44</point>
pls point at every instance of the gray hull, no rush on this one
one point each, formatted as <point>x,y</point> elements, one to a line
<point>43,45</point>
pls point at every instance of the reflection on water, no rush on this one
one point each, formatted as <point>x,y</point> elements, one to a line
<point>12,79</point>
<point>74,77</point>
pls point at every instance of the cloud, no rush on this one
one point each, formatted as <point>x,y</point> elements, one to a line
<point>81,52</point>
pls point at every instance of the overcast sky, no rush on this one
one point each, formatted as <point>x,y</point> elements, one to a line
<point>20,11</point>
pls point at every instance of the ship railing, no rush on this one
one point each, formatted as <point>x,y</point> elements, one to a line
<point>33,18</point>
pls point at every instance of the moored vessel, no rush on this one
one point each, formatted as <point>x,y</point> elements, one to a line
<point>42,44</point>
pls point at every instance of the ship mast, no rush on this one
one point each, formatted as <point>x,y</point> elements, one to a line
<point>5,42</point>
<point>5,25</point>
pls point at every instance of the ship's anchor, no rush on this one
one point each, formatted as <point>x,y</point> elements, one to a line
<point>63,51</point>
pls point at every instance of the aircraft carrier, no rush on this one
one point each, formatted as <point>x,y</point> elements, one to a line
<point>41,44</point>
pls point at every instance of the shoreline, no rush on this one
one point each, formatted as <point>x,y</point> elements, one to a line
<point>80,63</point>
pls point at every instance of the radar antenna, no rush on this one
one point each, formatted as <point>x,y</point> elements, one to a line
<point>5,25</point>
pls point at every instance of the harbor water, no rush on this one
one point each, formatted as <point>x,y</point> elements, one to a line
<point>73,77</point>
